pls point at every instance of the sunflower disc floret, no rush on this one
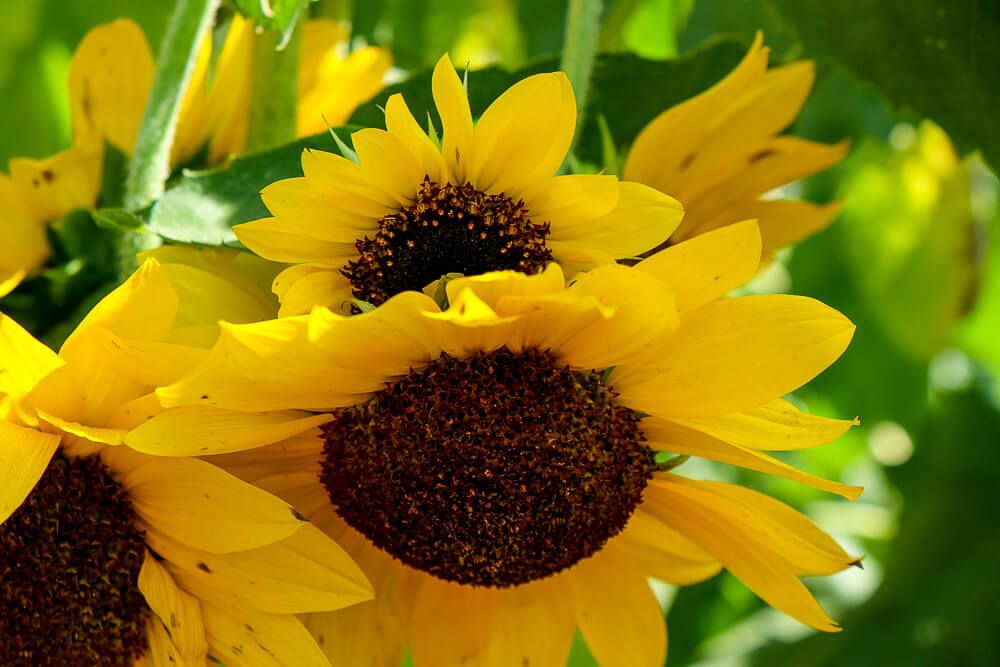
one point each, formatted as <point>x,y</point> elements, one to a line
<point>70,558</point>
<point>492,470</point>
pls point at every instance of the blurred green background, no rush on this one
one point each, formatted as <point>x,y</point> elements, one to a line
<point>914,260</point>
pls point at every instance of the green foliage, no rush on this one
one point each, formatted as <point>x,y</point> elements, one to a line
<point>272,14</point>
<point>936,57</point>
<point>150,165</point>
<point>202,206</point>
<point>917,267</point>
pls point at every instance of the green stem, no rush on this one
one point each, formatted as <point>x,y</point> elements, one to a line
<point>275,94</point>
<point>583,28</point>
<point>670,464</point>
<point>150,165</point>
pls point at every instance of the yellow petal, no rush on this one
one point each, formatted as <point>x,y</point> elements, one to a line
<point>456,119</point>
<point>399,122</point>
<point>244,637</point>
<point>207,296</point>
<point>303,287</point>
<point>24,361</point>
<point>728,531</point>
<point>24,455</point>
<point>303,573</point>
<point>341,85</point>
<point>305,208</point>
<point>644,318</point>
<point>672,437</point>
<point>56,185</point>
<point>782,222</point>
<point>142,308</point>
<point>347,183</point>
<point>741,129</point>
<point>808,550</point>
<point>205,507</point>
<point>109,81</point>
<point>24,246</point>
<point>203,430</point>
<point>775,426</point>
<point>667,144</point>
<point>642,219</point>
<point>314,362</point>
<point>228,97</point>
<point>366,633</point>
<point>161,651</point>
<point>704,268</point>
<point>616,611</point>
<point>524,135</point>
<point>737,354</point>
<point>129,415</point>
<point>275,241</point>
<point>389,164</point>
<point>450,624</point>
<point>9,280</point>
<point>664,553</point>
<point>93,434</point>
<point>532,624</point>
<point>178,611</point>
<point>569,201</point>
<point>150,363</point>
<point>782,160</point>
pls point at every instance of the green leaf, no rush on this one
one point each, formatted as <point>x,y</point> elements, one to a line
<point>117,219</point>
<point>204,205</point>
<point>274,14</point>
<point>916,268</point>
<point>937,57</point>
<point>150,164</point>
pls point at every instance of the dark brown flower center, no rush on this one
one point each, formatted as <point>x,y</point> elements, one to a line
<point>492,470</point>
<point>69,572</point>
<point>450,229</point>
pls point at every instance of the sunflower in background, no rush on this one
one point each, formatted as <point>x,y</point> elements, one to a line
<point>720,153</point>
<point>499,469</point>
<point>110,76</point>
<point>114,557</point>
<point>486,197</point>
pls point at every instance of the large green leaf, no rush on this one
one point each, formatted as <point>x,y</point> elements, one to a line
<point>203,206</point>
<point>937,57</point>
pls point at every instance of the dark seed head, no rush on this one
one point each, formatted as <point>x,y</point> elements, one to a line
<point>450,229</point>
<point>492,470</point>
<point>69,572</point>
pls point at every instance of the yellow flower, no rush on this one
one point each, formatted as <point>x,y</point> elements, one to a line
<point>116,66</point>
<point>110,76</point>
<point>23,246</point>
<point>720,151</point>
<point>114,557</point>
<point>486,198</point>
<point>492,466</point>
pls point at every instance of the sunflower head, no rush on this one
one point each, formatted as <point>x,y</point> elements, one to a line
<point>526,466</point>
<point>485,197</point>
<point>108,556</point>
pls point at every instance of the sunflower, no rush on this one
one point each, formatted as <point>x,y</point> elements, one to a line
<point>497,467</point>
<point>110,76</point>
<point>720,151</point>
<point>486,197</point>
<point>113,68</point>
<point>112,557</point>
